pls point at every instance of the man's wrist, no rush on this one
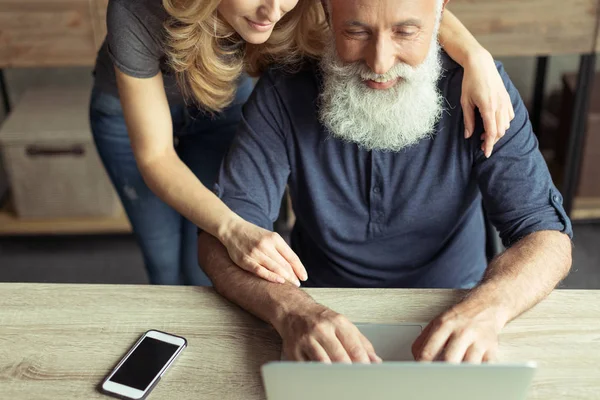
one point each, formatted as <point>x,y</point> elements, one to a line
<point>490,301</point>
<point>285,312</point>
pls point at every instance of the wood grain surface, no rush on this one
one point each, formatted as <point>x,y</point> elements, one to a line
<point>46,33</point>
<point>99,20</point>
<point>69,32</point>
<point>586,208</point>
<point>59,341</point>
<point>530,27</point>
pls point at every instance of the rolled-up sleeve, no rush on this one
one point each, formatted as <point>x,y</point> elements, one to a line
<point>518,193</point>
<point>254,174</point>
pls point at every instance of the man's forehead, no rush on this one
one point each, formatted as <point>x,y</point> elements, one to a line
<point>380,11</point>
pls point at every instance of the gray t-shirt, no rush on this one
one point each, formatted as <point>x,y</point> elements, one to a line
<point>135,45</point>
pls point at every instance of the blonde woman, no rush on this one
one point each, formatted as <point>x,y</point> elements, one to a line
<point>169,85</point>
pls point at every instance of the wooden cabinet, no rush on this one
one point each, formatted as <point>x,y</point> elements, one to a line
<point>50,32</point>
<point>99,20</point>
<point>530,27</point>
<point>69,32</point>
<point>3,48</point>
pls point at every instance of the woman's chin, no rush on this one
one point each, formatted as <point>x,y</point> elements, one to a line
<point>255,37</point>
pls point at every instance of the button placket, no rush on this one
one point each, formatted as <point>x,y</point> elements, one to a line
<point>377,212</point>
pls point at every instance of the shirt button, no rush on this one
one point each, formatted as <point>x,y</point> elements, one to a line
<point>376,189</point>
<point>555,198</point>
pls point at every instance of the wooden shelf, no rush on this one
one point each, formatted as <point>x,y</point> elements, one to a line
<point>11,225</point>
<point>586,208</point>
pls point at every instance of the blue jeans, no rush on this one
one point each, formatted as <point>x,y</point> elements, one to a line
<point>167,240</point>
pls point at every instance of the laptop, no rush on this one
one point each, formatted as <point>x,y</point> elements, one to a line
<point>398,377</point>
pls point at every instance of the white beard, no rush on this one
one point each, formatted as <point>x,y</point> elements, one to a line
<point>390,119</point>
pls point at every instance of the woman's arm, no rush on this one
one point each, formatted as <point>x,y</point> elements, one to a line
<point>149,124</point>
<point>458,42</point>
<point>482,85</point>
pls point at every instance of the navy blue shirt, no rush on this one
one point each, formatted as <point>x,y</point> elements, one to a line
<point>411,218</point>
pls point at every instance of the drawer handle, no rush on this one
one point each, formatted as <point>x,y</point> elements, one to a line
<point>40,151</point>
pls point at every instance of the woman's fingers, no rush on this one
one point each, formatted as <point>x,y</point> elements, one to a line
<point>276,263</point>
<point>262,272</point>
<point>292,259</point>
<point>469,118</point>
<point>490,127</point>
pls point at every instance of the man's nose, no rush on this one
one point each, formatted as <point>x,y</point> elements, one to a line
<point>381,57</point>
<point>271,10</point>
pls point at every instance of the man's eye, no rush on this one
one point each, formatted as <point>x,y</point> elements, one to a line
<point>357,33</point>
<point>406,33</point>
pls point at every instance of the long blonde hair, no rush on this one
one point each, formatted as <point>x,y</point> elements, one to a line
<point>208,56</point>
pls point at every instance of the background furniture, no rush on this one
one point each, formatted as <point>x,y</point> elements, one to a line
<point>69,32</point>
<point>51,159</point>
<point>543,28</point>
<point>51,33</point>
<point>588,186</point>
<point>59,341</point>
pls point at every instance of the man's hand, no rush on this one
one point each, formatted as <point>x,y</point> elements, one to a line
<point>513,283</point>
<point>322,335</point>
<point>463,333</point>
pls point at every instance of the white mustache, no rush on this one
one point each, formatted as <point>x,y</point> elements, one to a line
<point>399,71</point>
<point>361,70</point>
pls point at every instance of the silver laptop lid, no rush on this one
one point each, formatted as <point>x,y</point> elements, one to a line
<point>402,380</point>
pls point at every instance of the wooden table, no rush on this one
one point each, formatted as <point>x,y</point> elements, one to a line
<point>58,341</point>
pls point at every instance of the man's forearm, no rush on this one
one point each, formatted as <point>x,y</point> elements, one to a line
<point>270,302</point>
<point>522,276</point>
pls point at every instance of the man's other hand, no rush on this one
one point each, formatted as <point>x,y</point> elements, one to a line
<point>461,334</point>
<point>322,335</point>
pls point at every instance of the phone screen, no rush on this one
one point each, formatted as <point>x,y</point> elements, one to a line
<point>144,363</point>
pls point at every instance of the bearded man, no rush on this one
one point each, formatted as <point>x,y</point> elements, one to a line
<point>387,192</point>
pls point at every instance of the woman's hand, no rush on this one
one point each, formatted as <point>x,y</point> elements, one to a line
<point>483,88</point>
<point>262,252</point>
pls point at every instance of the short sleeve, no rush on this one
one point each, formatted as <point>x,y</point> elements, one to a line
<point>133,49</point>
<point>518,193</point>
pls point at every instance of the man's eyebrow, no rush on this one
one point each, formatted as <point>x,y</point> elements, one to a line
<point>356,23</point>
<point>406,22</point>
<point>409,22</point>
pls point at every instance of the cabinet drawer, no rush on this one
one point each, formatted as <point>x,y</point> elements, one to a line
<point>47,33</point>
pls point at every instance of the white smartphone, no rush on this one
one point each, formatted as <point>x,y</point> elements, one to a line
<point>144,364</point>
